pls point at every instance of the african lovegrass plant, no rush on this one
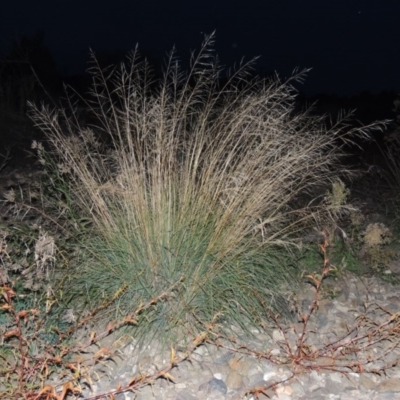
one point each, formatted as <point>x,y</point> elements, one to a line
<point>189,185</point>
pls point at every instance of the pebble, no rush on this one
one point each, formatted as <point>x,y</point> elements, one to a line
<point>218,372</point>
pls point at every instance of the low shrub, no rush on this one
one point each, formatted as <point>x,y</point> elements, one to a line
<point>191,187</point>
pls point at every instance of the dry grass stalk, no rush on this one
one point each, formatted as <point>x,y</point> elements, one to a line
<point>198,179</point>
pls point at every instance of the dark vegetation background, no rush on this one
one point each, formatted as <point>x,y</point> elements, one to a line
<point>351,46</point>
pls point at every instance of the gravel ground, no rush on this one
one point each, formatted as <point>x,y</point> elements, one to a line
<point>343,332</point>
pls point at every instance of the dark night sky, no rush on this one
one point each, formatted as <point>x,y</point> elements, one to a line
<point>352,45</point>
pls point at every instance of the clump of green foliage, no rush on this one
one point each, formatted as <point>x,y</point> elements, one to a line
<point>189,185</point>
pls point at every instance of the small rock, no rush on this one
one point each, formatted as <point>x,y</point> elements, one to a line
<point>275,352</point>
<point>234,380</point>
<point>284,390</point>
<point>241,366</point>
<point>218,376</point>
<point>277,335</point>
<point>333,386</point>
<point>224,358</point>
<point>180,385</point>
<point>389,385</point>
<point>268,375</point>
<point>283,396</point>
<point>184,395</point>
<point>218,384</point>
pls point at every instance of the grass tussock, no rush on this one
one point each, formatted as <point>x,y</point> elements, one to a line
<point>189,184</point>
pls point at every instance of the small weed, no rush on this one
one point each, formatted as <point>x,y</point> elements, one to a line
<point>376,328</point>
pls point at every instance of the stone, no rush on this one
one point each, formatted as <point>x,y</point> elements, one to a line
<point>389,385</point>
<point>218,384</point>
<point>234,380</point>
<point>185,395</point>
<point>277,335</point>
